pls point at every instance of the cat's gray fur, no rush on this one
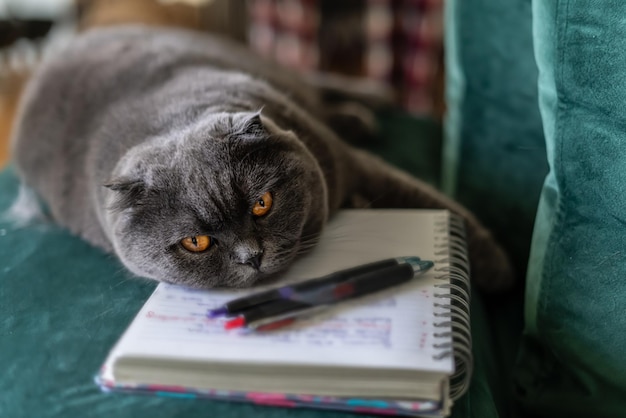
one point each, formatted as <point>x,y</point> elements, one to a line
<point>138,137</point>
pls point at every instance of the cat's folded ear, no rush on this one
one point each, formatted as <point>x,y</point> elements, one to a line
<point>129,192</point>
<point>251,125</point>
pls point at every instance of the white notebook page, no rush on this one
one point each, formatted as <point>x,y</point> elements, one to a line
<point>391,330</point>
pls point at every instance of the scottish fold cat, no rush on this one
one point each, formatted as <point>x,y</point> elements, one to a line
<point>198,163</point>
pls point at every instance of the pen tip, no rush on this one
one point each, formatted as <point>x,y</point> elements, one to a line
<point>426,265</point>
<point>214,313</point>
<point>418,264</point>
<point>235,323</point>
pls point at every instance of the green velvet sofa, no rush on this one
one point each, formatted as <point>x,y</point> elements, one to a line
<point>536,146</point>
<point>534,142</point>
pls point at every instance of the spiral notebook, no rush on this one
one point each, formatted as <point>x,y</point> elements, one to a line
<point>404,351</point>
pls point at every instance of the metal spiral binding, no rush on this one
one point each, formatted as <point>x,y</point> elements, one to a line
<point>452,306</point>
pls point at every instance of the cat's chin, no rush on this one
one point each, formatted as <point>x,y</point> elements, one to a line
<point>238,283</point>
<point>241,277</point>
<point>257,278</point>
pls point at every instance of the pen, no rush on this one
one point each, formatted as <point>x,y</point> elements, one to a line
<point>314,300</point>
<point>237,305</point>
<point>361,285</point>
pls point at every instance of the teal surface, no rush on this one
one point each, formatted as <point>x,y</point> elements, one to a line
<point>494,158</point>
<point>572,359</point>
<point>63,304</point>
<point>494,152</point>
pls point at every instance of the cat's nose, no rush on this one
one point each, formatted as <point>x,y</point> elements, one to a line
<point>249,253</point>
<point>255,260</point>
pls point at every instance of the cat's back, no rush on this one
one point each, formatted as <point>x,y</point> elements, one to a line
<point>130,59</point>
<point>103,70</point>
<point>76,90</point>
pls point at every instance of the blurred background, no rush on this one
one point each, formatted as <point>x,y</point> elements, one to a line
<point>397,42</point>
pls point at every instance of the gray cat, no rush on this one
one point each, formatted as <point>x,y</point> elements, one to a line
<point>197,162</point>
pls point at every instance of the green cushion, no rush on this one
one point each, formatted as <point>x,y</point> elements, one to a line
<point>494,154</point>
<point>572,361</point>
<point>494,157</point>
<point>64,304</point>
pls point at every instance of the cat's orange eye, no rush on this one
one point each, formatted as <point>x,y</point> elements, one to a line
<point>197,243</point>
<point>262,205</point>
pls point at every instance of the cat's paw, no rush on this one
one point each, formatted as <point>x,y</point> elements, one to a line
<point>491,269</point>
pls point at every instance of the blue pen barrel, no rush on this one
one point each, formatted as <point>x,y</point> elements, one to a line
<point>380,280</point>
<point>343,275</point>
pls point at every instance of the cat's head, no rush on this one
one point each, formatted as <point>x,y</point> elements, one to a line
<point>228,202</point>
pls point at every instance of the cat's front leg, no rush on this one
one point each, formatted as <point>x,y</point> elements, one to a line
<point>376,184</point>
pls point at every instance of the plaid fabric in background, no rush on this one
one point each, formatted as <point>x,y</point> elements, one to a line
<point>285,30</point>
<point>396,41</point>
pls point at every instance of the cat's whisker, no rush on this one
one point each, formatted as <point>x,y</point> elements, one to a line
<point>280,254</point>
<point>304,240</point>
<point>302,251</point>
<point>309,237</point>
<point>309,244</point>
